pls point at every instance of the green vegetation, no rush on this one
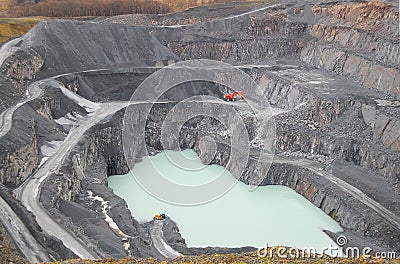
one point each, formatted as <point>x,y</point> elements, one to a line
<point>79,8</point>
<point>75,8</point>
<point>15,27</point>
<point>234,258</point>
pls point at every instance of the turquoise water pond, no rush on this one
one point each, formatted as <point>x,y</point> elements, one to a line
<point>276,215</point>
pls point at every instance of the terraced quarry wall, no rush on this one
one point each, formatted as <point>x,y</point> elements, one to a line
<point>330,71</point>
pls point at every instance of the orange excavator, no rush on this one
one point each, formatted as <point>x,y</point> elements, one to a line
<point>235,96</point>
<point>159,217</point>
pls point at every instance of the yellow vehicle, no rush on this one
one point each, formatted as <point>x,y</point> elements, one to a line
<point>159,217</point>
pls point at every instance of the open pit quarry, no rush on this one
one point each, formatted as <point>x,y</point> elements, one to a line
<point>329,69</point>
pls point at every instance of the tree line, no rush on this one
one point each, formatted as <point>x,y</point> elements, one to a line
<point>180,5</point>
<point>82,8</point>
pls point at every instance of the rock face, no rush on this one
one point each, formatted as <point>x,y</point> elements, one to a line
<point>33,127</point>
<point>385,125</point>
<point>19,159</point>
<point>361,52</point>
<point>54,247</point>
<point>329,70</point>
<point>14,72</point>
<point>81,184</point>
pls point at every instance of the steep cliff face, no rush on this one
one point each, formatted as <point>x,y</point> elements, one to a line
<point>80,188</point>
<point>20,157</point>
<point>353,141</point>
<point>384,123</point>
<point>240,50</point>
<point>332,117</point>
<point>360,42</point>
<point>277,25</point>
<point>375,16</point>
<point>17,69</point>
<point>22,66</point>
<point>34,126</point>
<point>365,71</point>
<point>383,50</point>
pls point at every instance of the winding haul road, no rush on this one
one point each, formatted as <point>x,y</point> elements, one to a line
<point>156,234</point>
<point>225,18</point>
<point>14,226</point>
<point>20,234</point>
<point>8,49</point>
<point>30,192</point>
<point>33,92</point>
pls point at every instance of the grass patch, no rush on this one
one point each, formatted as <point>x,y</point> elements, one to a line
<point>242,258</point>
<point>15,27</point>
